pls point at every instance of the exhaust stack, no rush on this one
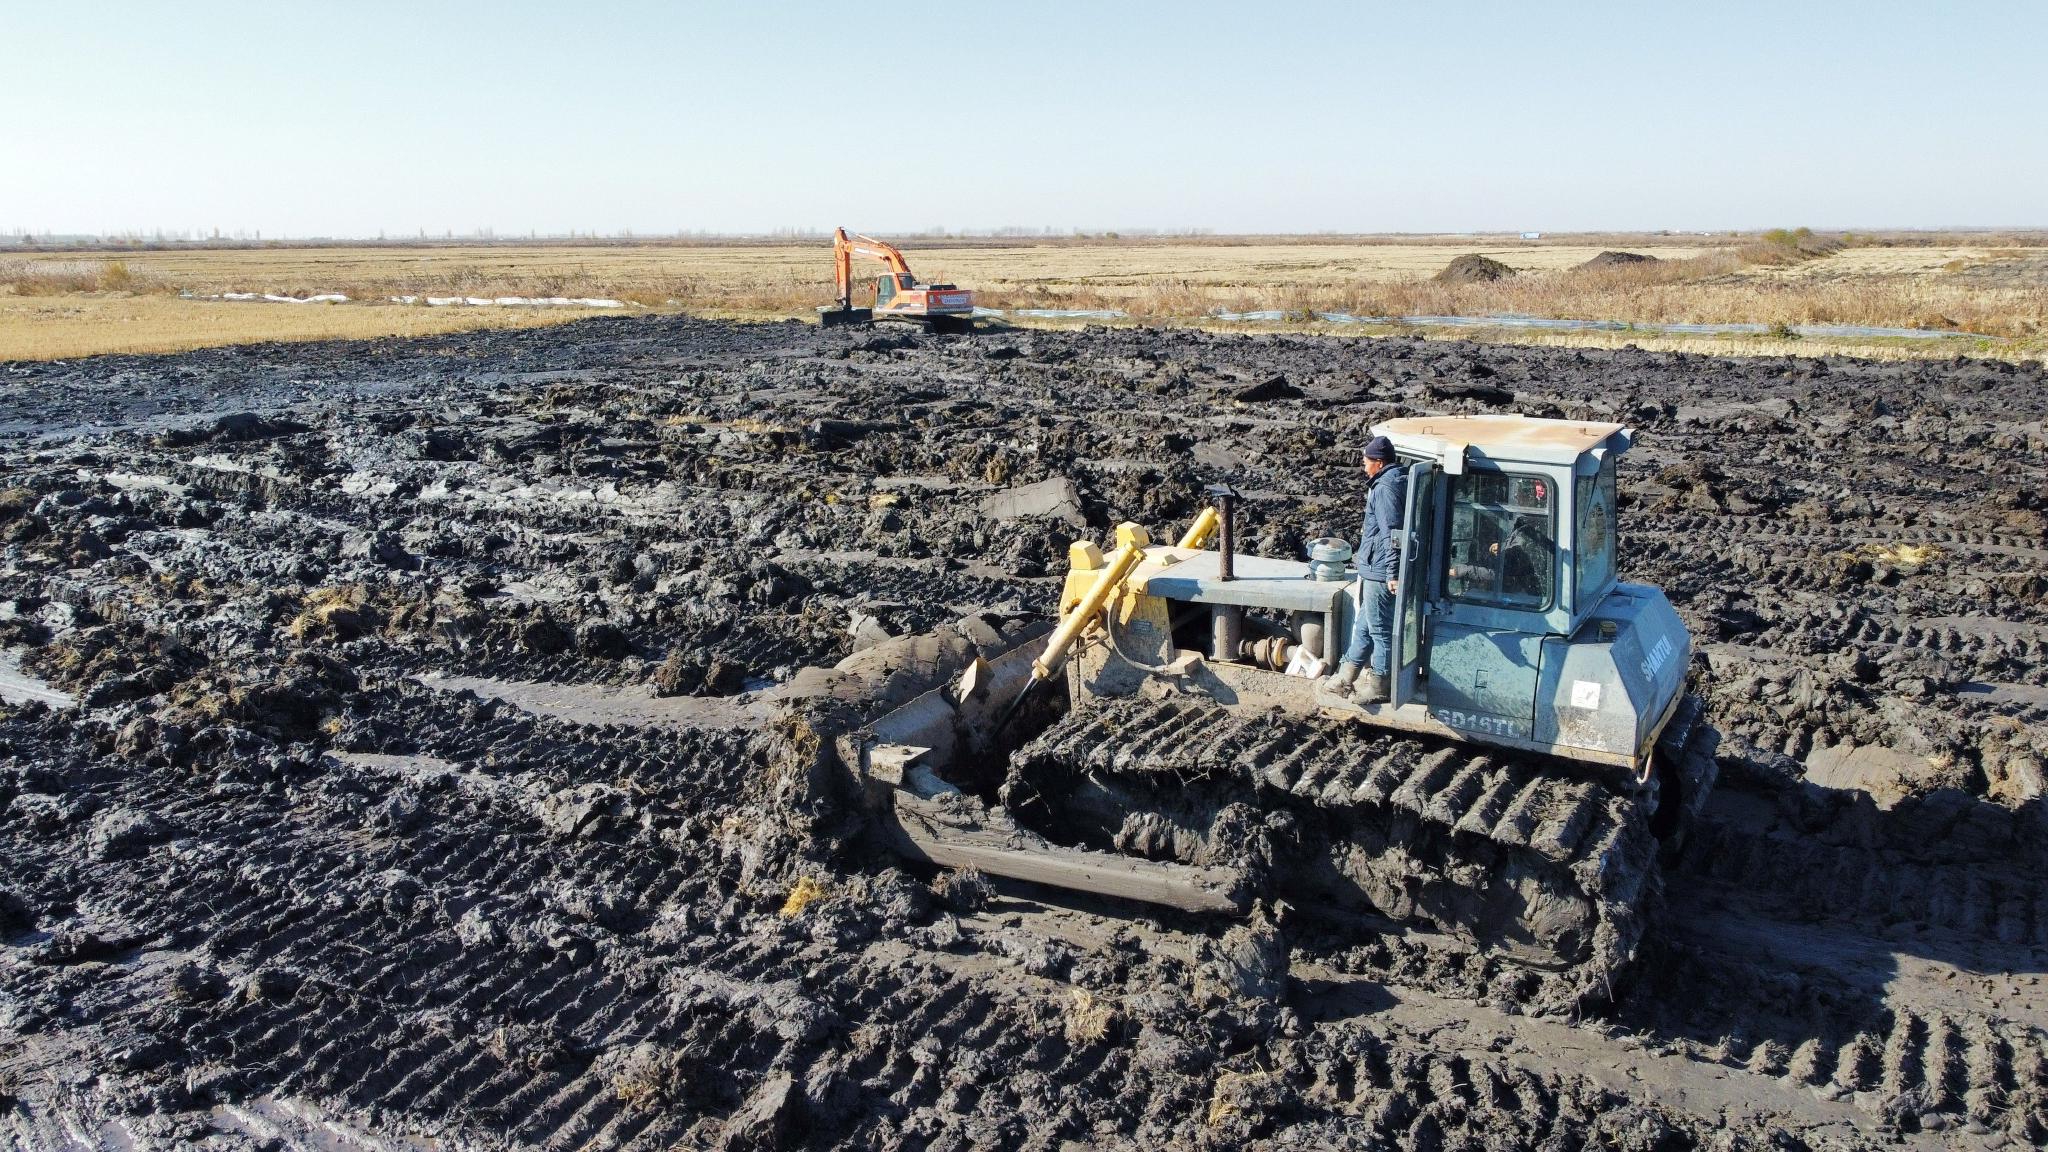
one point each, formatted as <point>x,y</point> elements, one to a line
<point>1225,498</point>
<point>1227,624</point>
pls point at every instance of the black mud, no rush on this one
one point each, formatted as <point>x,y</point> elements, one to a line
<point>420,790</point>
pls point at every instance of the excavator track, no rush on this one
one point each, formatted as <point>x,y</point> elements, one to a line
<point>1545,866</point>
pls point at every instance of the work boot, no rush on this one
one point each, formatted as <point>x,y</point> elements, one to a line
<point>1343,678</point>
<point>1371,690</point>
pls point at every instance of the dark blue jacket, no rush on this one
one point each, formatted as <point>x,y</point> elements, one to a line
<point>1386,502</point>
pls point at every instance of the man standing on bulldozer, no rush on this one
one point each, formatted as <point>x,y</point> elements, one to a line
<point>1379,562</point>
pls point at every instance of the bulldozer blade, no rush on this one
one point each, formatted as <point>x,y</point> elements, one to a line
<point>968,836</point>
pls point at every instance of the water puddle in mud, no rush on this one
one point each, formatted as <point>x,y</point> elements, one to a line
<point>634,705</point>
<point>1888,775</point>
<point>138,482</point>
<point>1984,627</point>
<point>982,569</point>
<point>18,687</point>
<point>285,1122</point>
<point>2028,697</point>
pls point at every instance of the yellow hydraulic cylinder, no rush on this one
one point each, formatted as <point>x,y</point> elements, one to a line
<point>1133,540</point>
<point>1070,628</point>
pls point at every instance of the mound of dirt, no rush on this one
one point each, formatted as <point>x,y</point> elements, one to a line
<point>1472,268</point>
<point>1618,260</point>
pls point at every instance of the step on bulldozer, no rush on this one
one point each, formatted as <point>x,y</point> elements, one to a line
<point>1174,738</point>
<point>899,295</point>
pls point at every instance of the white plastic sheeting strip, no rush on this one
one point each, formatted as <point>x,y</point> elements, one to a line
<point>323,298</point>
<point>431,301</point>
<point>511,301</point>
<point>1056,313</point>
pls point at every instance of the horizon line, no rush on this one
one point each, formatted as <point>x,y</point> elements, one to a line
<point>37,239</point>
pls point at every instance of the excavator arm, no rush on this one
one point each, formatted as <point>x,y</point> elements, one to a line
<point>845,248</point>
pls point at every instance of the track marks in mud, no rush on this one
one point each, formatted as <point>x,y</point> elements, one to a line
<point>448,926</point>
<point>546,907</point>
<point>1836,1016</point>
<point>1804,879</point>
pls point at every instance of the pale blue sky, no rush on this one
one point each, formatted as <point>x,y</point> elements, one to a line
<point>347,119</point>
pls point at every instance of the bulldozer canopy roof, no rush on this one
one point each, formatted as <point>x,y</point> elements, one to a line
<point>1525,438</point>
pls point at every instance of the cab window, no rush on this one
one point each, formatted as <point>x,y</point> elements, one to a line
<point>1595,546</point>
<point>885,289</point>
<point>1503,541</point>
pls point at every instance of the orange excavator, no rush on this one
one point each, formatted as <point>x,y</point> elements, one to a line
<point>898,294</point>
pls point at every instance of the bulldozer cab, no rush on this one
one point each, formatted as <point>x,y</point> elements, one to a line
<point>1511,521</point>
<point>1502,549</point>
<point>1508,595</point>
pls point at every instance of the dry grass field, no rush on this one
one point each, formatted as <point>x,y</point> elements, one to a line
<point>73,303</point>
<point>64,327</point>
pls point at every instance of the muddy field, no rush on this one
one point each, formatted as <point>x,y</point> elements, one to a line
<point>394,755</point>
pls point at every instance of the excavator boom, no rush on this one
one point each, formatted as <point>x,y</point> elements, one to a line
<point>845,248</point>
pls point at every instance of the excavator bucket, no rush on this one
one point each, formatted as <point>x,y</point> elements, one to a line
<point>843,317</point>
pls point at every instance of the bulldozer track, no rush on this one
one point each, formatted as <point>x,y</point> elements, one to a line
<point>1462,810</point>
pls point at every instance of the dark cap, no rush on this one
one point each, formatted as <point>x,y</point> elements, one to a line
<point>1380,448</point>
